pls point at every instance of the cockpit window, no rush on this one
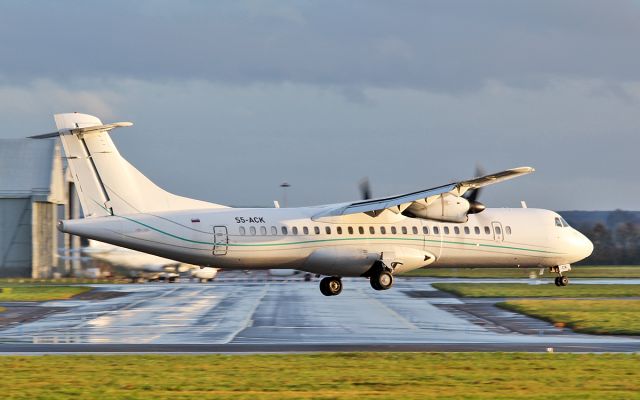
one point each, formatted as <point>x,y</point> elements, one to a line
<point>560,222</point>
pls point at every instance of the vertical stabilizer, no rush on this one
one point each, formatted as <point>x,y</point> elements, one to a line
<point>107,184</point>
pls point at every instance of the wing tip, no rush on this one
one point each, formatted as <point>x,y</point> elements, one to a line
<point>524,170</point>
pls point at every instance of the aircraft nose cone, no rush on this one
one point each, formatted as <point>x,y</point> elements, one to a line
<point>585,247</point>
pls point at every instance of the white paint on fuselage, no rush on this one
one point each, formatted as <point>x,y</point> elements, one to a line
<point>534,241</point>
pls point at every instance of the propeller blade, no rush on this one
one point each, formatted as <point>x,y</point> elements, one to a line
<point>365,189</point>
<point>473,194</point>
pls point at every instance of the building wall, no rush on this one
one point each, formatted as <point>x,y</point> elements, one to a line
<point>44,239</point>
<point>15,237</point>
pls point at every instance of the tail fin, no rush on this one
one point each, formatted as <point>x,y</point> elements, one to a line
<point>107,184</point>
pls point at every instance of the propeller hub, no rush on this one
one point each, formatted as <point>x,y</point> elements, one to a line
<point>476,207</point>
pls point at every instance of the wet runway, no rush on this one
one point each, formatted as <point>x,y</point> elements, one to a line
<point>233,315</point>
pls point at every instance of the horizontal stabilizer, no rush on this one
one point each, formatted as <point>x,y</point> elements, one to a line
<point>85,130</point>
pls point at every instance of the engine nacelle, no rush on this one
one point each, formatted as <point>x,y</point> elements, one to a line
<point>445,208</point>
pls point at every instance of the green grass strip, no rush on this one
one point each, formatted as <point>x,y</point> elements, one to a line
<point>324,376</point>
<point>547,290</point>
<point>603,317</point>
<point>40,293</point>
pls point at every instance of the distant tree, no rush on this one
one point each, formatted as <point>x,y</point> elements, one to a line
<point>627,242</point>
<point>618,217</point>
<point>603,249</point>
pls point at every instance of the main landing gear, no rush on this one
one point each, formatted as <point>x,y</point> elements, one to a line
<point>380,279</point>
<point>331,286</point>
<point>561,280</point>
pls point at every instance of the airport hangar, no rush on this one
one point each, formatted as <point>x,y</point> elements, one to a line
<point>35,192</point>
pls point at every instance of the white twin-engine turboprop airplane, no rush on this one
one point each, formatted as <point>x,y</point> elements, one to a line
<point>376,238</point>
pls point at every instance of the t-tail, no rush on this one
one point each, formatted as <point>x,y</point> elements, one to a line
<point>106,183</point>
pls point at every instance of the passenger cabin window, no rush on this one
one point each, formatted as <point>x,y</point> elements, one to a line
<point>436,230</point>
<point>466,230</point>
<point>350,229</point>
<point>305,230</point>
<point>274,230</point>
<point>394,230</point>
<point>361,230</point>
<point>425,230</point>
<point>316,230</point>
<point>507,230</point>
<point>456,230</point>
<point>339,230</point>
<point>446,230</point>
<point>284,230</point>
<point>476,230</point>
<point>372,230</point>
<point>404,230</point>
<point>243,231</point>
<point>328,230</point>
<point>294,230</point>
<point>498,230</point>
<point>414,230</point>
<point>263,230</point>
<point>383,230</point>
<point>252,230</point>
<point>487,230</point>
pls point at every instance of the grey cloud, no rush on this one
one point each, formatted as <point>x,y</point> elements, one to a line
<point>446,46</point>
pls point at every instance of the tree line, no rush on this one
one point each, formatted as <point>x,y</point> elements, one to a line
<point>616,241</point>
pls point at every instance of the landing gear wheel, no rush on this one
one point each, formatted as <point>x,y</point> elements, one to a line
<point>381,281</point>
<point>557,281</point>
<point>331,286</point>
<point>563,281</point>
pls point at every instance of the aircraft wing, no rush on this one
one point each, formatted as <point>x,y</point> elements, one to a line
<point>399,203</point>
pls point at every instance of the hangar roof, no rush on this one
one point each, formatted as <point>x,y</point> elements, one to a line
<point>31,168</point>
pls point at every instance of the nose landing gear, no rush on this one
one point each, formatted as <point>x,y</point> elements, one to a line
<point>561,280</point>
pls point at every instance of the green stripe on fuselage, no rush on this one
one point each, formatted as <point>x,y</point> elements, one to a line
<point>336,240</point>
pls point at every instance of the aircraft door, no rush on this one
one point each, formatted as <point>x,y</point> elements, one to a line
<point>498,233</point>
<point>220,240</point>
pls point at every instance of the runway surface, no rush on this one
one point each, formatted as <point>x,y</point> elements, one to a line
<point>233,315</point>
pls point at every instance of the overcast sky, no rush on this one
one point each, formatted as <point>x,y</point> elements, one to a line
<point>231,98</point>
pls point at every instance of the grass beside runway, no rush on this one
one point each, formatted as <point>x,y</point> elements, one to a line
<point>40,293</point>
<point>324,376</point>
<point>614,317</point>
<point>546,290</point>
<point>591,271</point>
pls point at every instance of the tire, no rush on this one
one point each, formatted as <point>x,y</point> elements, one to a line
<point>334,286</point>
<point>557,281</point>
<point>564,281</point>
<point>324,286</point>
<point>381,281</point>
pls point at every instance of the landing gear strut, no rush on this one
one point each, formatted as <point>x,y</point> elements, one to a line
<point>561,280</point>
<point>331,286</point>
